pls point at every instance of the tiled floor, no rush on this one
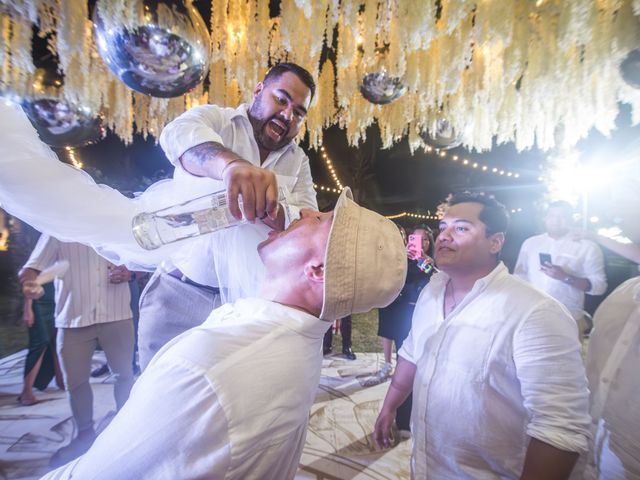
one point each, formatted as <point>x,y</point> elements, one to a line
<point>338,442</point>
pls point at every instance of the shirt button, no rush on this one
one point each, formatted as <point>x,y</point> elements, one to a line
<point>605,380</point>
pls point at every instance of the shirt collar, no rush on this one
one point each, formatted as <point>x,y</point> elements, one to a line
<point>292,318</point>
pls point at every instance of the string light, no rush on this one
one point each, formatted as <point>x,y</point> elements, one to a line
<point>420,216</point>
<point>467,162</point>
<point>71,153</point>
<point>332,170</point>
<point>322,188</point>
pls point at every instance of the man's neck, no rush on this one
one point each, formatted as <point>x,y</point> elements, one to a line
<point>280,290</point>
<point>464,280</point>
<point>557,235</point>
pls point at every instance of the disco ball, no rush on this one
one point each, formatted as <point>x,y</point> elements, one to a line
<point>380,88</point>
<point>630,68</point>
<point>163,52</point>
<point>443,136</point>
<point>59,123</point>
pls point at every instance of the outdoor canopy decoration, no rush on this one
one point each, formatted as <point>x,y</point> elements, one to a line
<point>532,72</point>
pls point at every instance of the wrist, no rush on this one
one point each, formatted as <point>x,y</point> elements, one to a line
<point>230,163</point>
<point>569,280</point>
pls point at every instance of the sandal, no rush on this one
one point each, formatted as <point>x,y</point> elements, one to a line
<point>26,403</point>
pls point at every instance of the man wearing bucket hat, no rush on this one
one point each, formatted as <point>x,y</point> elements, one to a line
<point>224,400</point>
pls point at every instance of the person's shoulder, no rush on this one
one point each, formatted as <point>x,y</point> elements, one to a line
<point>533,239</point>
<point>525,294</point>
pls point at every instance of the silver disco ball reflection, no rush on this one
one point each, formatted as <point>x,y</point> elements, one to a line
<point>443,136</point>
<point>163,52</point>
<point>380,88</point>
<point>630,68</point>
<point>59,123</point>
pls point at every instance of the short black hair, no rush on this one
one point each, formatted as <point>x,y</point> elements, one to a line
<point>280,68</point>
<point>494,215</point>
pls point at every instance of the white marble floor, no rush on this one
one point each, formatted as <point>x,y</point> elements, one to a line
<point>338,442</point>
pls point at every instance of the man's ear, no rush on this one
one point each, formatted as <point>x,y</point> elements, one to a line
<point>497,241</point>
<point>314,272</point>
<point>258,89</point>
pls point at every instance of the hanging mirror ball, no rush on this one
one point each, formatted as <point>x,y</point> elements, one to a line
<point>60,123</point>
<point>162,52</point>
<point>381,89</point>
<point>443,136</point>
<point>630,68</point>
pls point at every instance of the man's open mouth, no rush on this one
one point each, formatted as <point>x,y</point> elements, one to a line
<point>278,128</point>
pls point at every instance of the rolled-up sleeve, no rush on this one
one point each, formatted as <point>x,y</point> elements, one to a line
<point>553,380</point>
<point>594,269</point>
<point>195,126</point>
<point>44,254</point>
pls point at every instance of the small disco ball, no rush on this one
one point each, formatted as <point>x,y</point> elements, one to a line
<point>59,123</point>
<point>380,88</point>
<point>163,52</point>
<point>630,68</point>
<point>443,136</point>
<point>62,124</point>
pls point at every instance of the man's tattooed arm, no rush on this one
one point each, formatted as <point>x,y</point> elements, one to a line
<point>208,159</point>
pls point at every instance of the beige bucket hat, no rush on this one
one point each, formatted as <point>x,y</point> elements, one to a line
<point>365,263</point>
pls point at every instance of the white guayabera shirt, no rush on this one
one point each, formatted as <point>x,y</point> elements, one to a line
<point>227,400</point>
<point>503,366</point>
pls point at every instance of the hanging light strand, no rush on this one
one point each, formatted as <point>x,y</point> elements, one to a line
<point>332,170</point>
<point>471,163</point>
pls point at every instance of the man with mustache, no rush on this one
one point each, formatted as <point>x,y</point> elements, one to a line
<point>248,151</point>
<point>499,388</point>
<point>230,399</point>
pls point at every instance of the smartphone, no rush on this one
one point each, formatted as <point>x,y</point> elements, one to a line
<point>415,244</point>
<point>545,258</point>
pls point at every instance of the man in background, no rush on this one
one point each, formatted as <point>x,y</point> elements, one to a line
<point>560,265</point>
<point>92,305</point>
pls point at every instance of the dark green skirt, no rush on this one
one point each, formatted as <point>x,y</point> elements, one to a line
<point>42,338</point>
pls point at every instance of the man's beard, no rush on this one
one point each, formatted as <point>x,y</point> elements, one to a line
<point>260,124</point>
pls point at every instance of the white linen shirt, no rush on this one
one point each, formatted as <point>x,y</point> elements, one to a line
<point>38,189</point>
<point>229,399</point>
<point>505,364</point>
<point>580,258</point>
<point>84,294</point>
<point>613,360</point>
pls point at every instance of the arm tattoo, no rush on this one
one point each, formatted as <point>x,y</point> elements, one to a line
<point>199,154</point>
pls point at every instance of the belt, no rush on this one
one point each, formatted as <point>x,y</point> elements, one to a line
<point>176,273</point>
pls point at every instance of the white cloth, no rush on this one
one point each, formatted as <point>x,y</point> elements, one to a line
<point>612,368</point>
<point>84,295</point>
<point>39,189</point>
<point>580,258</point>
<point>227,400</point>
<point>505,364</point>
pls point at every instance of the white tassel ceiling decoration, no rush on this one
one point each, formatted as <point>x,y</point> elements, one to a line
<point>537,73</point>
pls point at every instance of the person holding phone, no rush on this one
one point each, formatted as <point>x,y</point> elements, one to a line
<point>561,265</point>
<point>395,320</point>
